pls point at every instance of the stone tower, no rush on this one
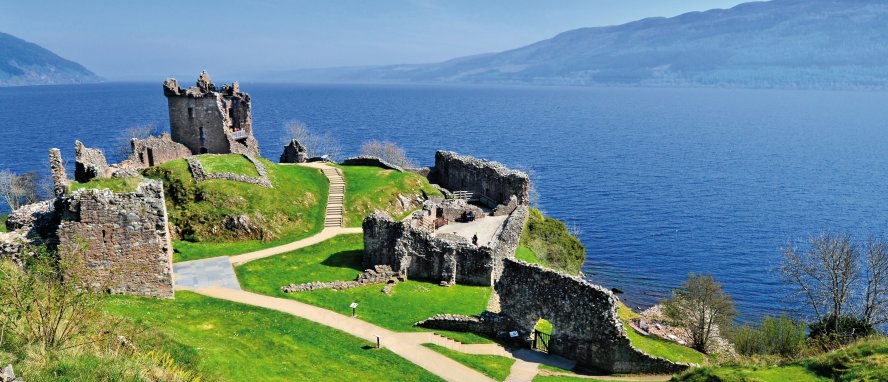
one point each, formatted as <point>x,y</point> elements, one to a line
<point>210,120</point>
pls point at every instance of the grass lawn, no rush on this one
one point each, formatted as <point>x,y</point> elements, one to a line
<point>368,189</point>
<point>292,210</point>
<point>235,164</point>
<point>526,254</point>
<point>127,184</point>
<point>742,374</point>
<point>564,378</point>
<point>340,259</point>
<point>243,343</point>
<point>493,366</point>
<point>656,346</point>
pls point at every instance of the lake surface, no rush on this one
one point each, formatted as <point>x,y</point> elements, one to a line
<point>659,182</point>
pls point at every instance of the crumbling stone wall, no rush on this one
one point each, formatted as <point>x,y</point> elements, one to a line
<point>59,176</point>
<point>417,254</point>
<point>210,120</point>
<point>90,163</point>
<point>490,180</point>
<point>294,152</point>
<point>508,239</point>
<point>157,150</point>
<point>128,247</point>
<point>584,318</point>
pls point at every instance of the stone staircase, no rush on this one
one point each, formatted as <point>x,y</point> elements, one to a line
<point>336,198</point>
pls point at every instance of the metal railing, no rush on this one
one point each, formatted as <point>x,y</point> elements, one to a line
<point>239,134</point>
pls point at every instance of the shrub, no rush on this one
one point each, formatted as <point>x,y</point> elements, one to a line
<point>781,336</point>
<point>833,332</point>
<point>700,308</point>
<point>552,243</point>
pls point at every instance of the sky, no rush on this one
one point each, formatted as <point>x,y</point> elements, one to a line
<point>146,40</point>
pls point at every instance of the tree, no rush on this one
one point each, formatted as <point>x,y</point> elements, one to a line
<point>124,148</point>
<point>388,152</point>
<point>18,190</point>
<point>839,278</point>
<point>700,308</point>
<point>315,145</point>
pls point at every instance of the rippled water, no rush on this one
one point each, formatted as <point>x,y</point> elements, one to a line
<point>660,182</point>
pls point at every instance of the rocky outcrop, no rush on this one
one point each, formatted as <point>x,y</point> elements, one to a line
<point>294,152</point>
<point>367,160</point>
<point>8,375</point>
<point>90,163</point>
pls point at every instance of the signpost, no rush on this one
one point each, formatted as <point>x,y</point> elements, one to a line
<point>354,306</point>
<point>513,334</point>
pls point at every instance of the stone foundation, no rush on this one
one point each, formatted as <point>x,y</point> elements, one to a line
<point>417,254</point>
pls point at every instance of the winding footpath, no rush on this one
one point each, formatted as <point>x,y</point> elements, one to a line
<point>215,277</point>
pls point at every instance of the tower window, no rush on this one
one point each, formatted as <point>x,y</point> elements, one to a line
<point>190,113</point>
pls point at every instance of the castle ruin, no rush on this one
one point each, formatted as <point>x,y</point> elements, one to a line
<point>211,120</point>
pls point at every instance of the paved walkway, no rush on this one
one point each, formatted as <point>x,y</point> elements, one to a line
<point>204,273</point>
<point>326,234</point>
<point>486,228</point>
<point>407,345</point>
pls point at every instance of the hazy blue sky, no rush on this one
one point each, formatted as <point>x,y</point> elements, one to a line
<point>147,40</point>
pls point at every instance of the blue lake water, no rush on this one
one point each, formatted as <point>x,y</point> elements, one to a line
<point>660,182</point>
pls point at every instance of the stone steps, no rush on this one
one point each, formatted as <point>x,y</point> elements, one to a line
<point>336,198</point>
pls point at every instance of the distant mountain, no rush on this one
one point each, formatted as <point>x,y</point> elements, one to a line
<point>25,63</point>
<point>781,43</point>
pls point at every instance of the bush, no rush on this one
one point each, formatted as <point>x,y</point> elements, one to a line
<point>781,336</point>
<point>552,243</point>
<point>832,332</point>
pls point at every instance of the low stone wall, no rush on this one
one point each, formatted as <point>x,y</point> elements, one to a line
<point>127,243</point>
<point>584,318</point>
<point>35,221</point>
<point>90,163</point>
<point>491,180</point>
<point>416,253</point>
<point>156,150</point>
<point>200,175</point>
<point>380,274</point>
<point>367,160</point>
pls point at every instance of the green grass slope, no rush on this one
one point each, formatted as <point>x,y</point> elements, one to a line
<point>866,360</point>
<point>493,366</point>
<point>657,346</point>
<point>292,210</point>
<point>368,189</point>
<point>243,343</point>
<point>340,259</point>
<point>235,164</point>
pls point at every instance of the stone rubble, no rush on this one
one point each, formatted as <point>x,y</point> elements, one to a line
<point>380,274</point>
<point>8,375</point>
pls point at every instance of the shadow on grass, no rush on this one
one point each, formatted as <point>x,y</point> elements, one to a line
<point>345,259</point>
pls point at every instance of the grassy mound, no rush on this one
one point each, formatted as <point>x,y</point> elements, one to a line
<point>368,189</point>
<point>656,346</point>
<point>243,343</point>
<point>546,241</point>
<point>235,164</point>
<point>200,214</point>
<point>866,360</point>
<point>493,366</point>
<point>127,184</point>
<point>340,259</point>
